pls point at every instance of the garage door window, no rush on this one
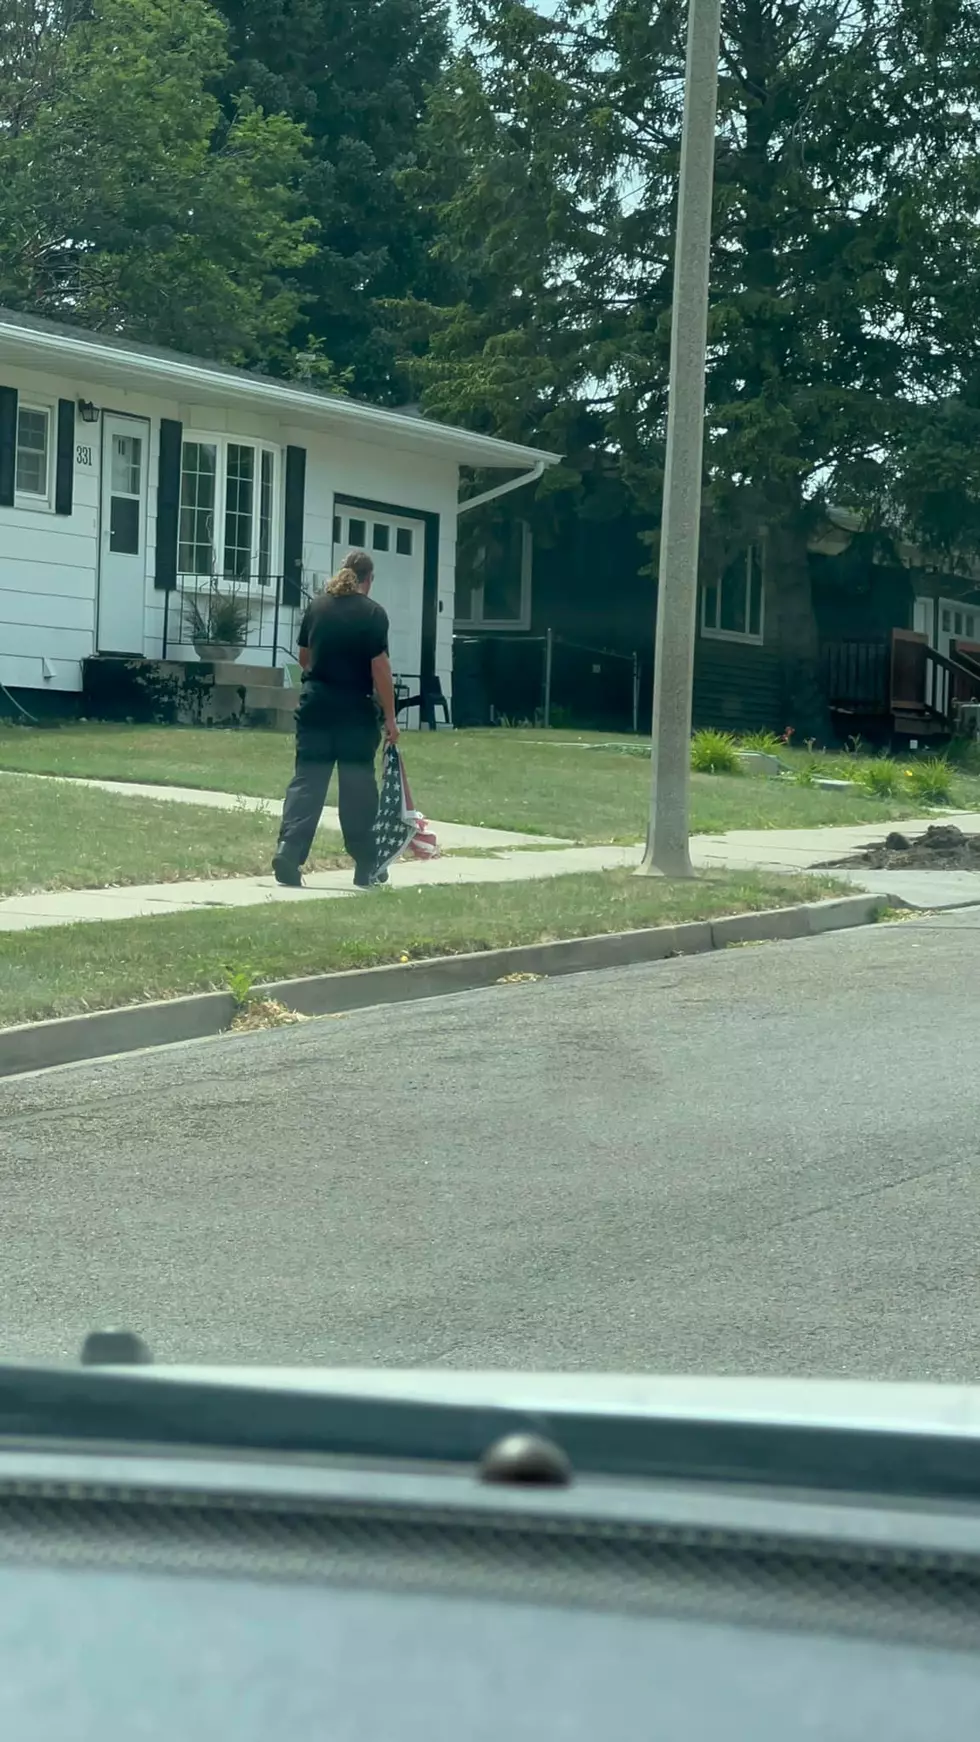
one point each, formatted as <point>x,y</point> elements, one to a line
<point>382,536</point>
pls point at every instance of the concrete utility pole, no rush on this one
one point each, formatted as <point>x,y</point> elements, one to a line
<point>667,849</point>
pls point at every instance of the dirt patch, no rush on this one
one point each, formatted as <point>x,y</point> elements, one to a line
<point>943,847</point>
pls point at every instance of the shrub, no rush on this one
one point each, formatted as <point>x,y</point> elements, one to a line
<point>931,779</point>
<point>964,754</point>
<point>881,777</point>
<point>807,773</point>
<point>767,742</point>
<point>714,753</point>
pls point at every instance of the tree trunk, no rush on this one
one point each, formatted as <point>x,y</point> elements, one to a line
<point>799,643</point>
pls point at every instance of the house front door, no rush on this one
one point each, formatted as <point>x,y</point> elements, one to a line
<point>122,547</point>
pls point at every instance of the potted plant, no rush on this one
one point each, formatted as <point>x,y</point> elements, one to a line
<point>219,626</point>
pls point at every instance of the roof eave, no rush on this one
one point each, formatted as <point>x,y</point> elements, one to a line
<point>304,407</point>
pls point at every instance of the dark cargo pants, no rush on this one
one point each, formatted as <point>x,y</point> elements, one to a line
<point>328,738</point>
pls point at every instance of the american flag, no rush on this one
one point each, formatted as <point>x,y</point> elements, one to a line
<point>399,825</point>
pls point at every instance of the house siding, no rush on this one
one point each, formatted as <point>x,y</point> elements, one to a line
<point>737,687</point>
<point>49,562</point>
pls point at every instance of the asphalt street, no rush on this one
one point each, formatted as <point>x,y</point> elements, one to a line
<point>766,1161</point>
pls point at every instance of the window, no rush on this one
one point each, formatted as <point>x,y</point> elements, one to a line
<point>125,475</point>
<point>404,542</point>
<point>198,481</point>
<point>33,472</point>
<point>357,533</point>
<point>239,512</point>
<point>493,585</point>
<point>228,510</point>
<point>265,515</point>
<point>338,529</point>
<point>732,606</point>
<point>380,536</point>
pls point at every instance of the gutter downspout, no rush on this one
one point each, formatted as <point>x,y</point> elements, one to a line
<point>501,489</point>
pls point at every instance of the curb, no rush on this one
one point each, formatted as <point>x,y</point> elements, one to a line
<point>36,1046</point>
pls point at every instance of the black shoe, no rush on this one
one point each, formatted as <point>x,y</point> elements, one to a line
<point>286,873</point>
<point>365,879</point>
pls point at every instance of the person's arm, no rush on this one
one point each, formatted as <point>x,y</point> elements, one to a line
<point>303,641</point>
<point>384,689</point>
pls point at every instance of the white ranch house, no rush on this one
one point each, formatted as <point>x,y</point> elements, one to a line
<point>134,480</point>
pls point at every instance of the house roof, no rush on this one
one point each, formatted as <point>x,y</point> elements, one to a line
<point>27,341</point>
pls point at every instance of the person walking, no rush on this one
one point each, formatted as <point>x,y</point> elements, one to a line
<point>343,650</point>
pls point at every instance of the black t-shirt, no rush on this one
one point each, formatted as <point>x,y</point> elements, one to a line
<point>344,632</point>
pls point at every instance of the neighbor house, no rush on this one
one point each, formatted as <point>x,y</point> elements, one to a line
<point>569,629</point>
<point>136,485</point>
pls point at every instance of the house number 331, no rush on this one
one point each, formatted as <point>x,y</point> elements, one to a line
<point>83,456</point>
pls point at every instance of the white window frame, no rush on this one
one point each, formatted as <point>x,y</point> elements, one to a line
<point>953,608</point>
<point>746,638</point>
<point>504,625</point>
<point>221,442</point>
<point>27,498</point>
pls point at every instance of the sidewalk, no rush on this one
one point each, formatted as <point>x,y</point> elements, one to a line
<point>740,849</point>
<point>75,906</point>
<point>806,849</point>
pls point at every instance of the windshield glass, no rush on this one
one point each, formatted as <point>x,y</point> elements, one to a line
<point>490,684</point>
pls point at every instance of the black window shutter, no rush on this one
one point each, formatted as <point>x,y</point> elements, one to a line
<point>168,503</point>
<point>295,500</point>
<point>64,475</point>
<point>8,445</point>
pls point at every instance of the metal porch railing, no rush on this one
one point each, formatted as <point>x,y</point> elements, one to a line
<point>264,612</point>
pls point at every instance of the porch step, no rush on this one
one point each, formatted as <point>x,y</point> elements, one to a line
<point>236,674</point>
<point>270,696</point>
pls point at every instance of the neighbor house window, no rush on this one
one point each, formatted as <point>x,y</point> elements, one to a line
<point>493,590</point>
<point>959,623</point>
<point>732,606</point>
<point>228,510</point>
<point>33,471</point>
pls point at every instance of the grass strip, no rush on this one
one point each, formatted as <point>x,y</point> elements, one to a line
<point>57,970</point>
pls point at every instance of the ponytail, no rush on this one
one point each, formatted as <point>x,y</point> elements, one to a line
<point>357,567</point>
<point>344,581</point>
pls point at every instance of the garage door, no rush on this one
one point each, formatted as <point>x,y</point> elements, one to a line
<point>398,549</point>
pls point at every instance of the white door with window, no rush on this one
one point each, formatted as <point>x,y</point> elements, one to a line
<point>397,547</point>
<point>122,551</point>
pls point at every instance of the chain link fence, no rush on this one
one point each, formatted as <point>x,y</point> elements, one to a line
<point>548,681</point>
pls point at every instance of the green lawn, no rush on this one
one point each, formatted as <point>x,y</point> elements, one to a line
<point>59,969</point>
<point>499,779</point>
<point>54,836</point>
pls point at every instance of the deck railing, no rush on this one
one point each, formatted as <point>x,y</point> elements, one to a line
<point>899,674</point>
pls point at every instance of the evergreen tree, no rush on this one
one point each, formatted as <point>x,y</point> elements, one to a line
<point>354,73</point>
<point>843,339</point>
